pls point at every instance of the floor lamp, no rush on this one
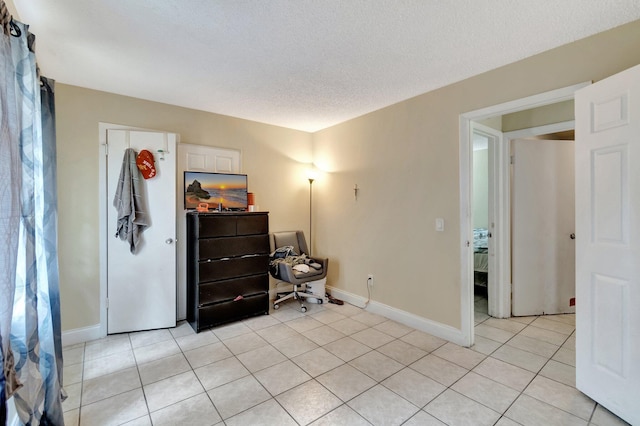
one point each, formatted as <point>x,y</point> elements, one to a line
<point>311,175</point>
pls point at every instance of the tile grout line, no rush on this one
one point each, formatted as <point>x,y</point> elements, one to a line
<point>144,394</point>
<point>541,368</point>
<point>196,376</point>
<point>346,403</point>
<point>315,379</point>
<point>342,403</point>
<point>536,374</point>
<point>84,347</point>
<point>251,373</point>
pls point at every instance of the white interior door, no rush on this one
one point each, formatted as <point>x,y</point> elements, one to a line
<point>196,158</point>
<point>141,288</point>
<point>543,250</point>
<point>608,243</point>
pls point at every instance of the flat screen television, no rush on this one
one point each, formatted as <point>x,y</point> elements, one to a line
<point>227,189</point>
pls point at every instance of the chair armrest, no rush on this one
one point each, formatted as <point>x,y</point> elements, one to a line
<point>322,261</point>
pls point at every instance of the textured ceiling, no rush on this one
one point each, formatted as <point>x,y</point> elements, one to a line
<point>303,64</point>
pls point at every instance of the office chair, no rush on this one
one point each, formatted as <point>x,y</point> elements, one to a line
<point>287,248</point>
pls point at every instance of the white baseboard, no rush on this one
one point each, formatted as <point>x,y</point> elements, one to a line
<point>81,335</point>
<point>419,323</point>
<point>86,334</point>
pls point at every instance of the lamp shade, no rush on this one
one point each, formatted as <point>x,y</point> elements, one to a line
<point>312,174</point>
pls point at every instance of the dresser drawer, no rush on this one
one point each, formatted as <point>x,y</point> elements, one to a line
<point>253,224</point>
<point>231,268</point>
<point>226,290</point>
<point>216,225</point>
<point>216,248</point>
<point>230,225</point>
<point>232,310</point>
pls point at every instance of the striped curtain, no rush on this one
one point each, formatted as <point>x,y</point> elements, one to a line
<point>29,218</point>
<point>10,183</point>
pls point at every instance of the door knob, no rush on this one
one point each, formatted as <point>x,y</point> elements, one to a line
<point>572,236</point>
<point>169,241</point>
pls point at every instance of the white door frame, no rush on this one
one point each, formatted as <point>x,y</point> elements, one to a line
<point>503,209</point>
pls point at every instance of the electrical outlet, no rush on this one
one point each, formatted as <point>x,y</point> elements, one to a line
<point>370,280</point>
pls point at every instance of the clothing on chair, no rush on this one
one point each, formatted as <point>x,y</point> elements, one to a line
<point>301,264</point>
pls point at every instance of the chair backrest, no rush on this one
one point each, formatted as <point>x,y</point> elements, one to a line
<point>289,238</point>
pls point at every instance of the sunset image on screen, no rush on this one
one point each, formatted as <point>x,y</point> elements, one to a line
<point>228,190</point>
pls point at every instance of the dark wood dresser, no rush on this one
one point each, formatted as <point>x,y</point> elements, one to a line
<point>227,267</point>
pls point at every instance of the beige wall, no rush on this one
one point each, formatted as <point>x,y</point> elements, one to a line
<point>548,114</point>
<point>405,160</point>
<point>274,158</point>
<point>12,9</point>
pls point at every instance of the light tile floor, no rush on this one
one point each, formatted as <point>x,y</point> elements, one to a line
<point>334,365</point>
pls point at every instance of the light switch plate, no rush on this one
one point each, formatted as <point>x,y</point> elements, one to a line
<point>439,224</point>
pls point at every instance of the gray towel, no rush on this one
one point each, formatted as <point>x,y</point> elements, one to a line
<point>129,201</point>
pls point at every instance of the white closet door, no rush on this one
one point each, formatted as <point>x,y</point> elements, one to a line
<point>141,287</point>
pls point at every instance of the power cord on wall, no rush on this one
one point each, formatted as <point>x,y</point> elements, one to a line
<point>368,292</point>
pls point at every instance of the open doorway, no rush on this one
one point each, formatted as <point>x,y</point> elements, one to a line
<point>484,140</point>
<point>542,220</point>
<point>499,242</point>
